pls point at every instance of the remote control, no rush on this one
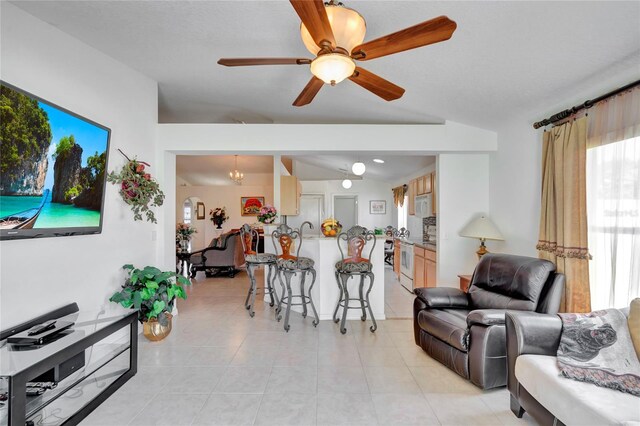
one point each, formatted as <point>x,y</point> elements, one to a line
<point>44,385</point>
<point>41,328</point>
<point>35,391</point>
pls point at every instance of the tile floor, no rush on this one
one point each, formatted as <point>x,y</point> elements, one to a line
<point>398,301</point>
<point>220,367</point>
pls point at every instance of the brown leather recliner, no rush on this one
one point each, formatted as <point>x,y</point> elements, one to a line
<point>466,331</point>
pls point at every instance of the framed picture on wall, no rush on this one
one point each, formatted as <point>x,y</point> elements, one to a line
<point>377,207</point>
<point>250,206</point>
<point>200,211</point>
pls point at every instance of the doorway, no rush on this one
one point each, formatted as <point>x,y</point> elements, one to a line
<point>345,210</point>
<point>312,210</point>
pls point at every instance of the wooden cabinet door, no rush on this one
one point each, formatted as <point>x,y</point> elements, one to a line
<point>396,258</point>
<point>433,194</point>
<point>289,196</point>
<point>420,185</point>
<point>419,271</point>
<point>412,197</point>
<point>428,187</point>
<point>430,273</point>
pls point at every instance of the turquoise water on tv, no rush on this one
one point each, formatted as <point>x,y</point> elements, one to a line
<point>53,215</point>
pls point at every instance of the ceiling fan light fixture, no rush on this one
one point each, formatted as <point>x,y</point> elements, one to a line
<point>332,68</point>
<point>348,26</point>
<point>358,168</point>
<point>346,184</point>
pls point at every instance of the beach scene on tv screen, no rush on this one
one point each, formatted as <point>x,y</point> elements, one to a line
<point>52,165</point>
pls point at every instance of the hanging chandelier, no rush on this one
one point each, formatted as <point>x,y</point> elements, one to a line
<point>235,175</point>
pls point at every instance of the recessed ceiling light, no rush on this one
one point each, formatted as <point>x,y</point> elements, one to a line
<point>377,160</point>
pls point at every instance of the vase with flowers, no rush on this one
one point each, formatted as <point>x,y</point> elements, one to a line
<point>184,232</point>
<point>218,216</point>
<point>267,214</point>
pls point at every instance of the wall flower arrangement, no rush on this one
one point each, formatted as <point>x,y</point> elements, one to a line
<point>138,188</point>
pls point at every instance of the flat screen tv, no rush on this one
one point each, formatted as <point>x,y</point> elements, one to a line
<point>52,171</point>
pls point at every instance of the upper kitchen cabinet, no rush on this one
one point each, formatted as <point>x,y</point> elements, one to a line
<point>424,184</point>
<point>433,193</point>
<point>411,195</point>
<point>290,191</point>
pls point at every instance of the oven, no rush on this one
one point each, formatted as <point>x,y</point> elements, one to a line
<point>406,265</point>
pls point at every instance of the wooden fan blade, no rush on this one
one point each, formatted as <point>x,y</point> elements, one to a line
<point>314,16</point>
<point>429,32</point>
<point>376,85</point>
<point>309,92</point>
<point>243,62</point>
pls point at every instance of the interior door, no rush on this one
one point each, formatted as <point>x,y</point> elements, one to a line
<point>345,210</point>
<point>312,210</point>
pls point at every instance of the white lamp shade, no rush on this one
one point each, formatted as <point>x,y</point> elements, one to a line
<point>348,28</point>
<point>358,168</point>
<point>332,68</point>
<point>481,228</point>
<point>346,184</point>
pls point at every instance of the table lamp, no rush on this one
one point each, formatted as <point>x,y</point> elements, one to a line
<point>483,229</point>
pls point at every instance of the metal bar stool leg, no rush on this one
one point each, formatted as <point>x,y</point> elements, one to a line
<point>246,301</point>
<point>374,327</point>
<point>335,313</point>
<point>313,307</point>
<point>302,294</point>
<point>282,297</point>
<point>251,272</point>
<point>269,286</point>
<point>361,294</point>
<point>287,276</point>
<point>345,278</point>
<point>272,283</point>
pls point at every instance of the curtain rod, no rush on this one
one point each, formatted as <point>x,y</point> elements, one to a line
<point>586,105</point>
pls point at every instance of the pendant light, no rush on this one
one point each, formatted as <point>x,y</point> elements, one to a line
<point>346,184</point>
<point>358,168</point>
<point>235,175</point>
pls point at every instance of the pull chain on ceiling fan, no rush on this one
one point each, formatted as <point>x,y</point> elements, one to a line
<point>335,34</point>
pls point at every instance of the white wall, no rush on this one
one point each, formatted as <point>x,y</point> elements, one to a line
<point>39,275</point>
<point>463,193</point>
<point>222,196</point>
<point>365,189</point>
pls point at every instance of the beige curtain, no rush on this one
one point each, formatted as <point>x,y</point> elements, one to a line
<point>563,217</point>
<point>398,195</point>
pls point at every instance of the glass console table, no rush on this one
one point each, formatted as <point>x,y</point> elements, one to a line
<point>110,348</point>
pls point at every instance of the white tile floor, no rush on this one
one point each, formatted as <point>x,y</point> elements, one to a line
<point>398,301</point>
<point>220,367</point>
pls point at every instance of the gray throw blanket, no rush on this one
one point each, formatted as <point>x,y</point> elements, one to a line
<point>597,348</point>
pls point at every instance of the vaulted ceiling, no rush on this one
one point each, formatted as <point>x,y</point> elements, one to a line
<point>506,59</point>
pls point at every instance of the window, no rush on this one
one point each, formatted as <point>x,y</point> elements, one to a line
<point>186,211</point>
<point>402,213</point>
<point>613,206</point>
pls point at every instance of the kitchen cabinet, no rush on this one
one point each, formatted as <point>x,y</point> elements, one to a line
<point>396,258</point>
<point>290,191</point>
<point>423,185</point>
<point>424,267</point>
<point>433,193</point>
<point>412,192</point>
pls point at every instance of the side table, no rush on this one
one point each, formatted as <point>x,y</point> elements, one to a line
<point>183,257</point>
<point>465,280</point>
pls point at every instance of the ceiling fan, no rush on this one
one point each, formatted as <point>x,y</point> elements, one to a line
<point>335,34</point>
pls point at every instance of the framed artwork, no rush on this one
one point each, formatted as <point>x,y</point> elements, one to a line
<point>200,211</point>
<point>250,206</point>
<point>377,207</point>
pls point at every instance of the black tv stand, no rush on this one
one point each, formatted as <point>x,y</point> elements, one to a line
<point>90,363</point>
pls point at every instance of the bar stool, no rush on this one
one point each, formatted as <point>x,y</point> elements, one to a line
<point>254,260</point>
<point>352,266</point>
<point>389,251</point>
<point>290,265</point>
<point>403,233</point>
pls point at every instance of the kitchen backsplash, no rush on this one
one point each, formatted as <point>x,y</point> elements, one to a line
<point>429,229</point>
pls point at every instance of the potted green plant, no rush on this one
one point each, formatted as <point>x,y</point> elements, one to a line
<point>153,293</point>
